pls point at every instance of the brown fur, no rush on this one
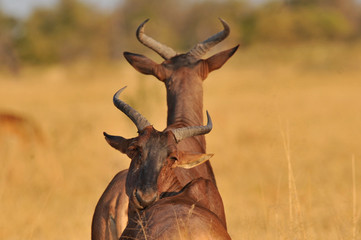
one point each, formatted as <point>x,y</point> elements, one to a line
<point>183,78</point>
<point>111,213</point>
<point>184,216</point>
<point>151,178</point>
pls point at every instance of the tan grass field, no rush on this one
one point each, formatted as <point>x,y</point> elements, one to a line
<point>287,133</point>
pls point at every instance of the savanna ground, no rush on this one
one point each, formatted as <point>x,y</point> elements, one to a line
<point>286,138</point>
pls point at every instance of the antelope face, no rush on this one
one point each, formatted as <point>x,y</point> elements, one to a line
<point>154,155</point>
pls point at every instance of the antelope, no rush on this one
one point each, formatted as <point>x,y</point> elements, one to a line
<point>20,128</point>
<point>160,207</point>
<point>25,149</point>
<point>183,76</point>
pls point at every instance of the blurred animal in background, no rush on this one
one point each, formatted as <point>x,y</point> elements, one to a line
<point>19,129</point>
<point>183,75</point>
<point>25,154</point>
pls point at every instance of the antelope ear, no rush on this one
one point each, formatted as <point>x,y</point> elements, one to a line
<point>117,142</point>
<point>145,65</point>
<point>217,60</point>
<point>190,160</point>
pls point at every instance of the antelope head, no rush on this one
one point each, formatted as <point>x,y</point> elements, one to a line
<point>154,156</point>
<point>174,64</point>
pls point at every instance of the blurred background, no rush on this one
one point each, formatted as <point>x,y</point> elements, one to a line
<point>286,110</point>
<point>45,32</point>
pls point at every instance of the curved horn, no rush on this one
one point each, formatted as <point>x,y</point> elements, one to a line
<point>163,50</point>
<point>202,48</point>
<point>140,121</point>
<point>182,133</point>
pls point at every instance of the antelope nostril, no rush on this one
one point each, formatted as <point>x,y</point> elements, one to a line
<point>145,199</point>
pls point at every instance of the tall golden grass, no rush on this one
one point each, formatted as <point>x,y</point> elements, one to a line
<point>286,139</point>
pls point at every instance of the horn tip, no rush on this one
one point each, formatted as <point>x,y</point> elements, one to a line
<point>140,29</point>
<point>209,120</point>
<point>116,95</point>
<point>225,24</point>
<point>143,23</point>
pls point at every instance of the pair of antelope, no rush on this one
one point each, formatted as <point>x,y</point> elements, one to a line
<point>169,190</point>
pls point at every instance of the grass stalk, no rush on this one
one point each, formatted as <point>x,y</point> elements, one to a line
<point>295,213</point>
<point>354,200</point>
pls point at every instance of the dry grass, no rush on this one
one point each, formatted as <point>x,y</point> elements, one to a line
<point>266,102</point>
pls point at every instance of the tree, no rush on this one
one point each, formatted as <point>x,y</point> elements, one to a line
<point>70,31</point>
<point>8,55</point>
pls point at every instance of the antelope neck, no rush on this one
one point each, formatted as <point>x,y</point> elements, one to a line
<point>185,109</point>
<point>185,106</point>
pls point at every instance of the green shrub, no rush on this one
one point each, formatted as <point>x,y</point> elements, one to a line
<point>276,23</point>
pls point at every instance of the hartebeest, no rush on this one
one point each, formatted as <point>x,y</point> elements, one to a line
<point>25,130</point>
<point>159,206</point>
<point>183,75</point>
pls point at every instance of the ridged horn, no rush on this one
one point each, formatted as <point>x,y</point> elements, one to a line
<point>163,50</point>
<point>182,133</point>
<point>139,121</point>
<point>202,48</point>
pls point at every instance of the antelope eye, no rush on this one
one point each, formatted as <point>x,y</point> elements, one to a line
<point>173,158</point>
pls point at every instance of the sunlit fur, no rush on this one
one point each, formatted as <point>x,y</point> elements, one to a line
<point>183,78</point>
